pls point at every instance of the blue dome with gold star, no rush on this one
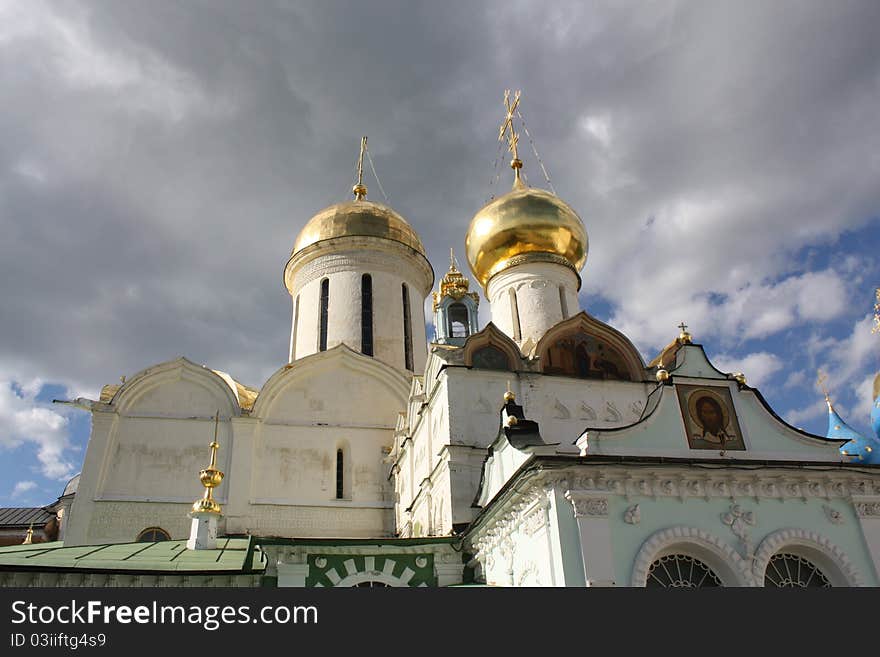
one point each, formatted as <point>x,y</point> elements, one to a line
<point>866,451</point>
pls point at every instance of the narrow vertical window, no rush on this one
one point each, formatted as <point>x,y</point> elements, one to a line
<point>325,306</point>
<point>562,302</point>
<point>407,330</point>
<point>367,314</point>
<point>514,310</point>
<point>340,481</point>
<point>295,326</point>
<point>458,321</point>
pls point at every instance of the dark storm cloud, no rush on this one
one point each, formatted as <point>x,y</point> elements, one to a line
<point>158,159</point>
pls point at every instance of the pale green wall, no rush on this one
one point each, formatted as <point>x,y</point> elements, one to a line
<point>770,515</point>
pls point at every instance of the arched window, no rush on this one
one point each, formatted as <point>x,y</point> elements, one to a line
<point>458,321</point>
<point>340,476</point>
<point>295,326</point>
<point>367,314</point>
<point>372,584</point>
<point>583,356</point>
<point>514,311</point>
<point>490,358</point>
<point>324,311</point>
<point>563,304</point>
<point>407,330</point>
<point>153,535</point>
<point>680,571</point>
<point>793,571</point>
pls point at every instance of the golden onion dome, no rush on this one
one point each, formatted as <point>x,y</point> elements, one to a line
<point>359,217</point>
<point>525,225</point>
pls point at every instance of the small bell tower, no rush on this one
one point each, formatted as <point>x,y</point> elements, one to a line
<point>455,308</point>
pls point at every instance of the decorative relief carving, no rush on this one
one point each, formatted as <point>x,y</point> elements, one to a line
<point>560,412</point>
<point>535,521</point>
<point>421,562</point>
<point>636,408</point>
<point>587,412</point>
<point>739,521</point>
<point>633,515</point>
<point>834,516</point>
<point>590,506</point>
<point>611,413</point>
<point>868,509</point>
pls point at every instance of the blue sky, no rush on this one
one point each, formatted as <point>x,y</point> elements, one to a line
<point>157,161</point>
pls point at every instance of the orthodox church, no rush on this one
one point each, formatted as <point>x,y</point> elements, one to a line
<point>537,450</point>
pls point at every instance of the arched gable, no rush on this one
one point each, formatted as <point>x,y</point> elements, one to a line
<point>605,351</point>
<point>333,384</point>
<point>177,388</point>
<point>492,336</point>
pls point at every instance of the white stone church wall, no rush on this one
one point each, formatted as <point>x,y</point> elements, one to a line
<point>344,269</point>
<point>537,286</point>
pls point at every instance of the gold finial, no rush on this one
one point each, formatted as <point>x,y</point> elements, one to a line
<point>29,536</point>
<point>454,284</point>
<point>876,327</point>
<point>684,336</point>
<point>360,189</point>
<point>740,378</point>
<point>662,375</point>
<point>508,130</point>
<point>122,379</point>
<point>210,478</point>
<point>821,378</point>
<point>509,396</point>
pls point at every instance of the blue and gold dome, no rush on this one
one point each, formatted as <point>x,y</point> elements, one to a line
<point>864,451</point>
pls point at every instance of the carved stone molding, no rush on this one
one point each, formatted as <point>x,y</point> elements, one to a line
<point>779,540</point>
<point>739,520</point>
<point>680,536</point>
<point>834,516</point>
<point>633,515</point>
<point>683,485</point>
<point>867,509</point>
<point>587,505</point>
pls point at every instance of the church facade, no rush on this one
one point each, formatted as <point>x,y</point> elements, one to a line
<point>538,450</point>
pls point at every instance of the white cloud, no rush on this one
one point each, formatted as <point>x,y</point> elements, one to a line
<point>23,487</point>
<point>795,379</point>
<point>758,367</point>
<point>25,421</point>
<point>813,411</point>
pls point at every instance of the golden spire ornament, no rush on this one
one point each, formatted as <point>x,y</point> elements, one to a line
<point>29,536</point>
<point>210,478</point>
<point>876,327</point>
<point>360,189</point>
<point>509,131</point>
<point>821,378</point>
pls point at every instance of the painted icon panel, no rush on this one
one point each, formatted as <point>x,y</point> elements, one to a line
<point>709,418</point>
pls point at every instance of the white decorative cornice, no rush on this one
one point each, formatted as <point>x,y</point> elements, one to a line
<point>867,508</point>
<point>586,505</point>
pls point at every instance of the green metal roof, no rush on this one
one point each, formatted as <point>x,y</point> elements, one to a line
<point>232,555</point>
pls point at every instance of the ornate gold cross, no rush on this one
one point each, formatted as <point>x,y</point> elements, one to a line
<point>507,129</point>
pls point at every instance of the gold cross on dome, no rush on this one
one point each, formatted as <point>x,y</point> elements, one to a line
<point>508,130</point>
<point>876,327</point>
<point>360,190</point>
<point>821,378</point>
